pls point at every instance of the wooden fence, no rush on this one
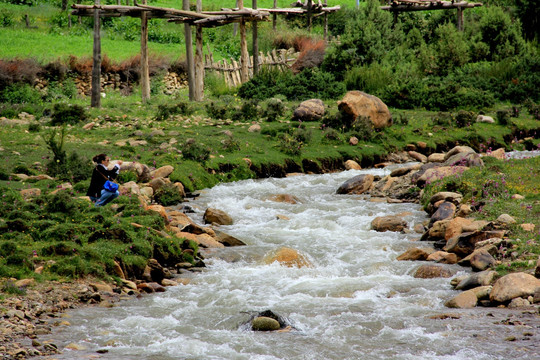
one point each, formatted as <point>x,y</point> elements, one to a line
<point>230,70</point>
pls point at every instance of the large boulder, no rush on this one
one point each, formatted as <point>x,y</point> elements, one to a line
<point>512,286</point>
<point>464,159</point>
<point>357,103</point>
<point>415,254</point>
<point>309,110</point>
<point>356,185</point>
<point>388,223</point>
<point>443,257</point>
<point>162,172</point>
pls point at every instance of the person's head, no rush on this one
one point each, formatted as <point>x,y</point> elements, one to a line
<point>101,159</point>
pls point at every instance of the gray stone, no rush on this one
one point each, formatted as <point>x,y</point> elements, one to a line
<point>483,278</point>
<point>512,286</point>
<point>356,185</point>
<point>309,110</point>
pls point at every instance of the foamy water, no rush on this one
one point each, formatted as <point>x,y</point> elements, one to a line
<point>355,302</point>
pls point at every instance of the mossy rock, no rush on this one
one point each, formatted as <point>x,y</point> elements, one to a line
<point>263,323</point>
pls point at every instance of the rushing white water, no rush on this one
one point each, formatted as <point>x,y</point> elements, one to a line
<point>355,302</point>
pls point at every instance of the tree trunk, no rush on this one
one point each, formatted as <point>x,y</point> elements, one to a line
<point>255,43</point>
<point>244,55</point>
<point>199,60</point>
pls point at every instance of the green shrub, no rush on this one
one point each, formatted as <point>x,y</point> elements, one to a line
<point>334,119</point>
<point>23,169</point>
<point>217,110</point>
<point>6,18</point>
<point>34,127</point>
<point>248,111</point>
<point>331,135</point>
<point>20,94</point>
<point>192,150</point>
<point>61,202</point>
<point>363,128</point>
<point>274,108</point>
<point>464,118</point>
<point>230,144</point>
<point>371,79</point>
<point>503,117</point>
<point>168,195</point>
<point>67,114</point>
<point>289,145</point>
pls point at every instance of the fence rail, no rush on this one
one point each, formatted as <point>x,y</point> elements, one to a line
<point>230,70</point>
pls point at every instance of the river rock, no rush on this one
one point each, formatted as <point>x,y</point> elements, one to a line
<point>481,260</point>
<point>404,170</point>
<point>443,257</point>
<point>215,216</point>
<point>483,278</point>
<point>254,128</point>
<point>512,286</point>
<point>464,300</point>
<point>432,271</point>
<point>388,223</point>
<point>353,140</point>
<point>497,154</point>
<point>438,173</point>
<point>357,103</point>
<point>263,323</point>
<point>446,211</point>
<point>506,219</point>
<point>457,150</point>
<point>352,165</point>
<point>285,198</point>
<point>464,210</point>
<point>464,159</point>
<point>23,283</point>
<point>227,239</point>
<point>448,196</point>
<point>356,185</point>
<point>415,254</point>
<point>438,229</point>
<point>455,227</point>
<point>482,292</point>
<point>417,156</point>
<point>162,172</point>
<point>436,158</point>
<point>207,241</point>
<point>288,257</point>
<point>518,302</point>
<point>476,225</point>
<point>537,269</point>
<point>309,110</point>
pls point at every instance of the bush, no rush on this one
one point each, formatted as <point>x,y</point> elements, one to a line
<point>331,135</point>
<point>68,114</point>
<point>290,145</point>
<point>195,151</point>
<point>503,117</point>
<point>274,108</point>
<point>216,110</point>
<point>165,111</point>
<point>168,195</point>
<point>61,202</point>
<point>20,94</point>
<point>247,111</point>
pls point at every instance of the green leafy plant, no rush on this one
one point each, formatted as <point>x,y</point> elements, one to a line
<point>67,114</point>
<point>168,195</point>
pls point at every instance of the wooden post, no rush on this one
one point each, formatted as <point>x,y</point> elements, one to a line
<point>255,43</point>
<point>244,56</point>
<point>189,54</point>
<point>145,73</point>
<point>199,65</point>
<point>96,64</point>
<point>274,17</point>
<point>325,23</point>
<point>309,11</point>
<point>235,25</point>
<point>460,18</point>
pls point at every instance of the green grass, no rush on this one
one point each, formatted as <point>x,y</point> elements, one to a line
<point>18,43</point>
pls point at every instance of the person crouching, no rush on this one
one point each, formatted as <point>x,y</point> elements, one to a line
<point>100,175</point>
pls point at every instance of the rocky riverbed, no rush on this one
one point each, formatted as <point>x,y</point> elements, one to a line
<point>41,309</point>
